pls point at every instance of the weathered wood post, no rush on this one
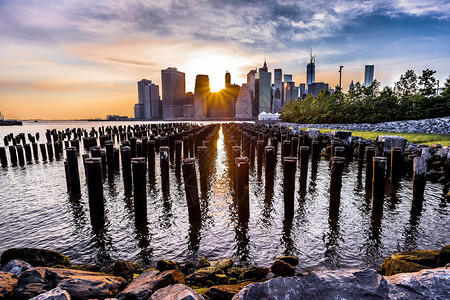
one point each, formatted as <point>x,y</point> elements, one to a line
<point>74,174</point>
<point>35,151</point>
<point>260,153</point>
<point>294,145</point>
<point>133,141</point>
<point>252,150</point>
<point>378,184</point>
<point>285,149</point>
<point>178,144</point>
<point>191,189</point>
<point>3,159</point>
<point>242,188</point>
<point>139,188</point>
<point>50,151</point>
<point>396,163</point>
<point>125,153</point>
<point>116,155</point>
<point>419,181</point>
<point>109,145</point>
<point>185,146</point>
<point>20,155</point>
<point>43,152</point>
<point>95,190</point>
<point>66,170</point>
<point>151,159</point>
<point>370,153</point>
<point>270,166</point>
<point>304,157</point>
<point>337,167</point>
<point>164,164</point>
<point>290,166</point>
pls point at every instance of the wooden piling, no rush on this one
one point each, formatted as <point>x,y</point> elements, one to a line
<point>125,153</point>
<point>260,155</point>
<point>290,166</point>
<point>95,190</point>
<point>242,188</point>
<point>43,152</point>
<point>164,164</point>
<point>109,145</point>
<point>396,163</point>
<point>139,188</point>
<point>50,151</point>
<point>74,175</point>
<point>304,157</point>
<point>378,184</point>
<point>3,158</point>
<point>20,155</point>
<point>191,189</point>
<point>178,144</point>
<point>370,153</point>
<point>419,181</point>
<point>270,166</point>
<point>337,167</point>
<point>151,159</point>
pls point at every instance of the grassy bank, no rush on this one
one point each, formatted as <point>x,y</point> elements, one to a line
<point>416,138</point>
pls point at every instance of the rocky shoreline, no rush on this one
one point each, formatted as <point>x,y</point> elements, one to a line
<point>39,274</point>
<point>435,125</point>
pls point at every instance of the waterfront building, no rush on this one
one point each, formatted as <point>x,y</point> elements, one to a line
<point>244,104</point>
<point>173,93</point>
<point>287,77</point>
<point>201,92</point>
<point>302,90</point>
<point>265,90</point>
<point>368,75</point>
<point>316,87</point>
<point>291,91</point>
<point>149,102</point>
<point>278,90</point>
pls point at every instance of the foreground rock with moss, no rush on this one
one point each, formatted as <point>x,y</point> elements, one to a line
<point>204,280</point>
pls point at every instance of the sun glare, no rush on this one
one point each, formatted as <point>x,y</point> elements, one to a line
<point>214,65</point>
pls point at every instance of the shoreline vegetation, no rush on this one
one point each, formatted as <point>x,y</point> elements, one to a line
<point>29,272</point>
<point>412,98</point>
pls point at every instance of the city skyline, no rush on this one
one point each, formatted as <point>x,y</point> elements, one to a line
<point>71,60</point>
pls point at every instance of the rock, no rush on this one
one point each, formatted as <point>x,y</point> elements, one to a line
<point>444,256</point>
<point>282,268</point>
<point>164,265</point>
<point>35,257</point>
<point>253,273</point>
<point>224,264</point>
<point>412,261</point>
<point>143,286</point>
<point>16,266</point>
<point>177,291</point>
<point>188,268</point>
<point>55,294</point>
<point>203,263</point>
<point>340,284</point>
<point>126,269</point>
<point>8,282</point>
<point>292,260</point>
<point>425,284</point>
<point>204,276</point>
<point>220,279</point>
<point>224,292</point>
<point>235,272</point>
<point>79,284</point>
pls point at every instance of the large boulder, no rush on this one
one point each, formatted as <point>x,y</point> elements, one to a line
<point>444,256</point>
<point>203,263</point>
<point>340,284</point>
<point>205,277</point>
<point>143,286</point>
<point>16,266</point>
<point>55,294</point>
<point>35,257</point>
<point>165,264</point>
<point>176,292</point>
<point>292,260</point>
<point>126,269</point>
<point>224,264</point>
<point>8,282</point>
<point>411,261</point>
<point>79,284</point>
<point>282,268</point>
<point>224,292</point>
<point>253,273</point>
<point>425,284</point>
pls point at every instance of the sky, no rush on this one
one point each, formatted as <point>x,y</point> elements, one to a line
<point>70,59</point>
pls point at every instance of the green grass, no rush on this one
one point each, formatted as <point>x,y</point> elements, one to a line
<point>416,138</point>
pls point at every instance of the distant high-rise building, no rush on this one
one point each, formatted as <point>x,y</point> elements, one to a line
<point>316,87</point>
<point>148,107</point>
<point>278,90</point>
<point>368,75</point>
<point>311,70</point>
<point>244,104</point>
<point>291,91</point>
<point>287,77</point>
<point>265,89</point>
<point>302,91</point>
<point>173,93</point>
<point>227,79</point>
<point>351,86</point>
<point>201,92</point>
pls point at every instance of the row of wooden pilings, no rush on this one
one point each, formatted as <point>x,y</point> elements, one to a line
<point>176,145</point>
<point>245,141</point>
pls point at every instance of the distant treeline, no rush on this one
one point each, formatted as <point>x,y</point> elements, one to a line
<point>413,97</point>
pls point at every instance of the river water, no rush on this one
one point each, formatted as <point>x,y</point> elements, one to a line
<point>36,211</point>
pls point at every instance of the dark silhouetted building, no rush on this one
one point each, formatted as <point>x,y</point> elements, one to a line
<point>265,89</point>
<point>316,87</point>
<point>278,90</point>
<point>173,93</point>
<point>368,75</point>
<point>149,105</point>
<point>201,92</point>
<point>244,105</point>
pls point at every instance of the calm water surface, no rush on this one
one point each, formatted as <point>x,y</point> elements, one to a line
<point>37,211</point>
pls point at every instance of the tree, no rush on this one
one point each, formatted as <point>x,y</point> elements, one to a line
<point>446,92</point>
<point>406,87</point>
<point>427,83</point>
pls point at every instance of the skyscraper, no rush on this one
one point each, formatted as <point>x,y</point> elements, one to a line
<point>368,75</point>
<point>311,69</point>
<point>227,80</point>
<point>148,107</point>
<point>264,89</point>
<point>201,92</point>
<point>173,93</point>
<point>278,90</point>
